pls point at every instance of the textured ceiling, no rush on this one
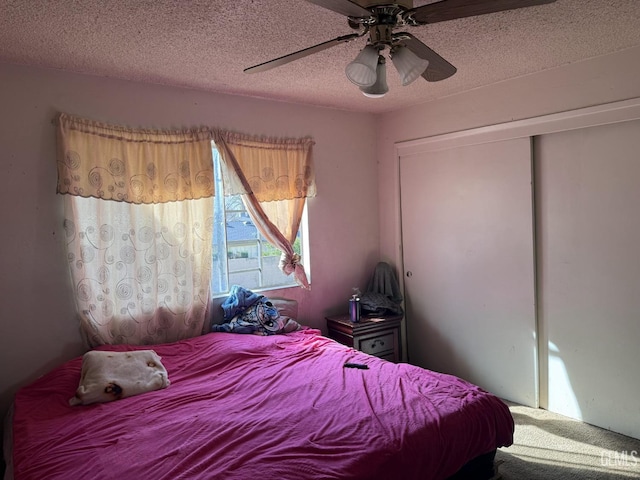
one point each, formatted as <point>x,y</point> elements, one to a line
<point>206,44</point>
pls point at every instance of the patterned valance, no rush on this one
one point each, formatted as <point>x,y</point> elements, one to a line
<point>134,166</point>
<point>271,169</point>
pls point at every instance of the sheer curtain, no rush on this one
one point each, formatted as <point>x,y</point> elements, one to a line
<point>138,208</point>
<point>273,177</point>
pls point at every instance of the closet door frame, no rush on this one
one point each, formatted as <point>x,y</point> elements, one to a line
<point>605,114</point>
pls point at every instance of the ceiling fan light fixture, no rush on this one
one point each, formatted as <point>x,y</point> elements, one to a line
<point>380,88</point>
<point>409,65</point>
<point>362,71</point>
<point>410,55</point>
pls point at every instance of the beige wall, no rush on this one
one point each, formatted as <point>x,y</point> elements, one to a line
<point>38,329</point>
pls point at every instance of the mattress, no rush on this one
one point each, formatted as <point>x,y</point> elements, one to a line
<point>248,406</point>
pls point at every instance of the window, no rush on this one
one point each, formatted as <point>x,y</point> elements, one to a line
<point>241,255</point>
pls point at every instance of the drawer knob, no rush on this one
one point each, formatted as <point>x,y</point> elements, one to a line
<point>375,343</point>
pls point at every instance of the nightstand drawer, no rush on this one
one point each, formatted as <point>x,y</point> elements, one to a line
<point>377,336</point>
<point>377,345</point>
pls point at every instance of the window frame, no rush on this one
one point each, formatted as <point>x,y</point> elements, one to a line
<point>221,266</point>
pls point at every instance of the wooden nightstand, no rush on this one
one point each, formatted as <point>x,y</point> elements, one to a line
<point>378,336</point>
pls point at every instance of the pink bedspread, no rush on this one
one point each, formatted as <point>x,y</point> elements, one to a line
<point>251,407</point>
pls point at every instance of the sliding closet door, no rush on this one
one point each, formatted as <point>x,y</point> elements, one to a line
<point>467,240</point>
<point>588,209</point>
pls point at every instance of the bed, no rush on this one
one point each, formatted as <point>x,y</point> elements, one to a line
<point>275,407</point>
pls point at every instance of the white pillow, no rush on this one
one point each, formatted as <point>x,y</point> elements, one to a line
<point>108,376</point>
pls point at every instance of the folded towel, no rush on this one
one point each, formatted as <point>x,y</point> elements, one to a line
<point>108,376</point>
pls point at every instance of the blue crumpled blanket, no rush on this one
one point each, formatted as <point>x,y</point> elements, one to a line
<point>249,312</point>
<point>238,301</point>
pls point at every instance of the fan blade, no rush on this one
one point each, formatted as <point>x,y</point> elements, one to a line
<point>451,9</point>
<point>277,62</point>
<point>438,68</point>
<point>344,7</point>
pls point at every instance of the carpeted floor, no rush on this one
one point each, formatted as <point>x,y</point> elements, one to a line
<point>548,446</point>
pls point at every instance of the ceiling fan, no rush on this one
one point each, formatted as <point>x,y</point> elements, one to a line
<point>380,20</point>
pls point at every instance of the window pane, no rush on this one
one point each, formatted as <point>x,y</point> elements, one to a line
<point>248,259</point>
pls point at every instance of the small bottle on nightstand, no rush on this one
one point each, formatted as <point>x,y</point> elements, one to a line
<point>354,308</point>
